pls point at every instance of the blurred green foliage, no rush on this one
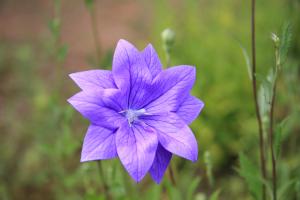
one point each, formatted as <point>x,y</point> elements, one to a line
<point>41,134</point>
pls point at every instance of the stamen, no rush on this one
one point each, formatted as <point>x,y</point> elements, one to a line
<point>132,115</point>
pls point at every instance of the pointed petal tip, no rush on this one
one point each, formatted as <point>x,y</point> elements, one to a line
<point>201,106</point>
<point>136,179</point>
<point>72,99</point>
<point>73,76</point>
<point>69,100</point>
<point>195,159</point>
<point>124,42</point>
<point>133,149</point>
<point>202,103</point>
<point>157,180</point>
<point>193,70</point>
<point>190,109</point>
<point>194,156</point>
<point>149,45</point>
<point>195,153</point>
<point>188,70</point>
<point>85,159</point>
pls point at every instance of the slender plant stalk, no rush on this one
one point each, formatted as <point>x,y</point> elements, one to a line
<point>172,176</point>
<point>271,134</point>
<point>56,37</point>
<point>130,190</point>
<point>170,169</point>
<point>254,88</point>
<point>209,169</point>
<point>56,34</point>
<point>168,58</point>
<point>93,16</point>
<point>102,177</point>
<point>271,125</point>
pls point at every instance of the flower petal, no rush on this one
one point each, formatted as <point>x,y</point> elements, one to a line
<point>136,147</point>
<point>98,107</point>
<point>174,135</point>
<point>160,163</point>
<point>91,79</point>
<point>152,60</point>
<point>190,109</point>
<point>130,71</point>
<point>169,89</point>
<point>98,144</point>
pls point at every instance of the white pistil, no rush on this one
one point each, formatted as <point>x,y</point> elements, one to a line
<point>133,115</point>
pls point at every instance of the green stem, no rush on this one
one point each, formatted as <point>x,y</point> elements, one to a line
<point>271,134</point>
<point>254,88</point>
<point>209,168</point>
<point>271,130</point>
<point>102,177</point>
<point>94,24</point>
<point>168,58</point>
<point>170,168</point>
<point>172,176</point>
<point>57,44</point>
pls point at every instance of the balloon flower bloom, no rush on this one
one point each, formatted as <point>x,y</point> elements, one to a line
<point>138,112</point>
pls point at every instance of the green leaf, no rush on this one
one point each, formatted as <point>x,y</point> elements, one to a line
<point>247,60</point>
<point>215,195</point>
<point>57,5</point>
<point>297,188</point>
<point>277,141</point>
<point>54,27</point>
<point>285,41</point>
<point>265,93</point>
<point>269,190</point>
<point>192,188</point>
<point>251,174</point>
<point>278,138</point>
<point>209,168</point>
<point>89,4</point>
<point>264,98</point>
<point>62,53</point>
<point>282,191</point>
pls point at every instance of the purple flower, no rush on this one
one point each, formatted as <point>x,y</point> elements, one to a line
<point>138,112</point>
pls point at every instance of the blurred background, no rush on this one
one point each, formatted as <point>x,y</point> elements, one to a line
<point>42,41</point>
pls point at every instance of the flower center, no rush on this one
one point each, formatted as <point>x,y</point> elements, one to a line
<point>133,115</point>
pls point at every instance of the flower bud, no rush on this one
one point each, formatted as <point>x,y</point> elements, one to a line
<point>168,37</point>
<point>275,39</point>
